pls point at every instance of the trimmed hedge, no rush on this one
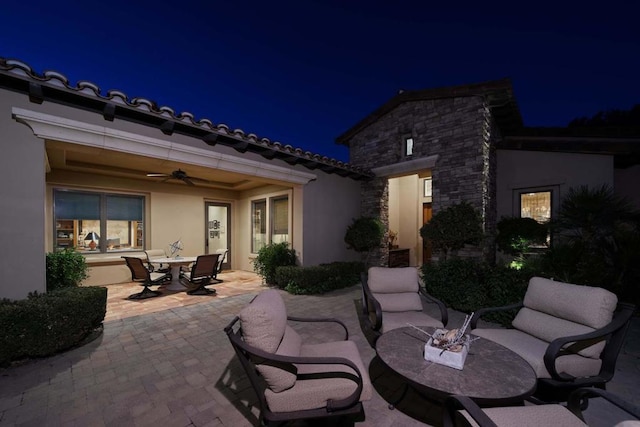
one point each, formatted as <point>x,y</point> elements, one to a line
<point>467,285</point>
<point>320,278</point>
<point>45,324</point>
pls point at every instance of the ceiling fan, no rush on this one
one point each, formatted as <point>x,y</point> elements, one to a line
<point>177,174</point>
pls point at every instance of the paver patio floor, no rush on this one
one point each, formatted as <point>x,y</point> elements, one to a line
<point>166,362</point>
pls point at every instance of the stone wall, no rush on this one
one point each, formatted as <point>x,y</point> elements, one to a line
<point>459,130</point>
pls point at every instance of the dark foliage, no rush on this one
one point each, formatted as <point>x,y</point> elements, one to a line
<point>45,324</point>
<point>271,257</point>
<point>615,117</point>
<point>450,229</point>
<point>318,279</point>
<point>65,269</point>
<point>517,235</point>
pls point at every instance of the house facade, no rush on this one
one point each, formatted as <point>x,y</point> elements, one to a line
<point>76,161</point>
<point>111,176</point>
<point>433,148</point>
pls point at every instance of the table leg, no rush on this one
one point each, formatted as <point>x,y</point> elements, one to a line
<point>175,284</point>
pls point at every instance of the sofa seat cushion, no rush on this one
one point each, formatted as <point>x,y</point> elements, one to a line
<point>532,350</point>
<point>586,305</point>
<point>548,328</point>
<point>314,393</point>
<point>393,280</point>
<point>529,416</point>
<point>417,318</point>
<point>396,302</point>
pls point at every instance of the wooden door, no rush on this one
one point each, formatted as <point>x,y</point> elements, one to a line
<point>427,213</point>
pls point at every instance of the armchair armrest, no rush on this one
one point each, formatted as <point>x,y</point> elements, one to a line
<point>456,402</point>
<point>554,349</point>
<point>370,305</point>
<point>481,312</point>
<point>444,314</point>
<point>574,403</point>
<point>286,362</point>
<point>322,320</point>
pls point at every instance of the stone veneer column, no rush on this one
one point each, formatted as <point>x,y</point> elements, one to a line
<point>460,131</point>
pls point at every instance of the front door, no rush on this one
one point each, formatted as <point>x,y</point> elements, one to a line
<point>218,229</point>
<point>427,213</point>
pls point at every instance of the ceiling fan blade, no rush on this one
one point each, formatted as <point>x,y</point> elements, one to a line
<point>155,174</point>
<point>188,181</point>
<point>192,178</point>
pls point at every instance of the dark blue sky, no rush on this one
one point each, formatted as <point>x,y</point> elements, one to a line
<point>303,72</point>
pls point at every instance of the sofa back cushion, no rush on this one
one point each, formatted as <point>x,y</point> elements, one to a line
<point>396,289</point>
<point>385,280</point>
<point>555,309</point>
<point>586,305</point>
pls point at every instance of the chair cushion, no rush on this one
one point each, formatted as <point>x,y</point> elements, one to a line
<point>314,393</point>
<point>396,302</point>
<point>532,350</point>
<point>155,253</point>
<point>548,328</point>
<point>529,416</point>
<point>393,280</point>
<point>417,318</point>
<point>263,321</point>
<point>277,378</point>
<point>587,305</point>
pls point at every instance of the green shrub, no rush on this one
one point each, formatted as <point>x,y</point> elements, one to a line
<point>65,268</point>
<point>318,279</point>
<point>45,324</point>
<point>272,256</point>
<point>450,229</point>
<point>517,235</point>
<point>468,285</point>
<point>459,283</point>
<point>364,234</point>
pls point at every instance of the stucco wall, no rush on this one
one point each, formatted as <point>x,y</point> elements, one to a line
<point>518,170</point>
<point>330,204</point>
<point>22,217</point>
<point>626,184</point>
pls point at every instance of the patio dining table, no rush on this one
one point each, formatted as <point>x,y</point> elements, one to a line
<point>175,263</point>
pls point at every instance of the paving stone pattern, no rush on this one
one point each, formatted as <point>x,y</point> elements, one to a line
<point>175,367</point>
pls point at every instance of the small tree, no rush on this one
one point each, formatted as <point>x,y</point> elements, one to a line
<point>364,234</point>
<point>272,256</point>
<point>65,269</point>
<point>450,229</point>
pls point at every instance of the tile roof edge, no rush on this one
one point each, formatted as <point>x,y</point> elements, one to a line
<point>242,140</point>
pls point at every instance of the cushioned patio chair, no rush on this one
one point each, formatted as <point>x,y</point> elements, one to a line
<point>292,379</point>
<point>153,266</point>
<point>201,274</point>
<point>462,411</point>
<point>393,297</point>
<point>571,335</point>
<point>139,273</point>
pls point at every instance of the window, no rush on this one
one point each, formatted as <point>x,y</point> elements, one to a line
<point>280,220</point>
<point>259,225</point>
<point>428,187</point>
<point>98,222</point>
<point>536,205</point>
<point>269,226</point>
<point>408,146</point>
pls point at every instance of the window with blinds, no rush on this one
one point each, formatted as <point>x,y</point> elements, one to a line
<point>98,222</point>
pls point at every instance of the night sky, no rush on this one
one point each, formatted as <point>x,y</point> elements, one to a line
<point>304,72</point>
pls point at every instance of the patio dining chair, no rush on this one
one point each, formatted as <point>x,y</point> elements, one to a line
<point>463,411</point>
<point>139,273</point>
<point>155,266</point>
<point>201,273</point>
